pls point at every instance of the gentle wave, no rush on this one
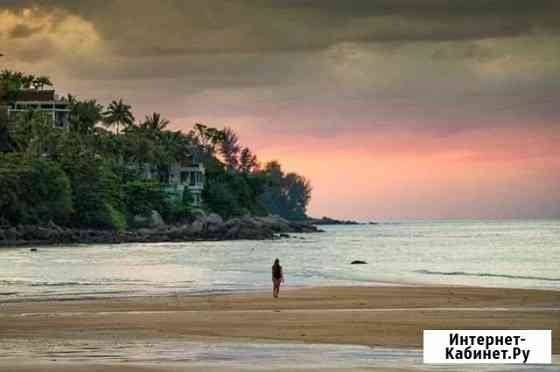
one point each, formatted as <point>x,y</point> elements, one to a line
<point>462,273</point>
<point>30,283</point>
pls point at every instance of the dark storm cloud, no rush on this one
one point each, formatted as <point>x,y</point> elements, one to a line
<point>176,27</point>
<point>371,50</point>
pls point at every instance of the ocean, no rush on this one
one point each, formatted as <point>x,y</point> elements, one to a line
<point>512,253</point>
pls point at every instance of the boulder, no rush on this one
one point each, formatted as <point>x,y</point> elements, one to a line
<point>43,233</point>
<point>53,226</point>
<point>178,232</point>
<point>215,224</point>
<point>232,232</point>
<point>198,214</point>
<point>250,221</point>
<point>233,222</point>
<point>358,262</point>
<point>12,234</point>
<point>275,223</point>
<point>197,227</point>
<point>156,220</point>
<point>303,227</point>
<point>151,221</point>
<point>27,232</point>
<point>214,219</point>
<point>252,233</point>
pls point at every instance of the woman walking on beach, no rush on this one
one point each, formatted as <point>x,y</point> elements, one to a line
<point>277,277</point>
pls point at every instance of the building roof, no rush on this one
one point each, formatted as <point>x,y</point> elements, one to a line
<point>35,96</point>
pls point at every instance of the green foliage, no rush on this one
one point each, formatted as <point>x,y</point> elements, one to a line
<point>6,142</point>
<point>178,208</point>
<point>220,198</point>
<point>34,191</point>
<point>97,194</point>
<point>188,197</point>
<point>155,122</point>
<point>84,115</point>
<point>233,195</point>
<point>141,197</point>
<point>229,149</point>
<point>32,132</point>
<point>286,195</point>
<point>91,177</point>
<point>118,113</point>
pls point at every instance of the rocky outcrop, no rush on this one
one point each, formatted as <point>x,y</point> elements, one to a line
<point>210,227</point>
<point>152,220</point>
<point>331,221</point>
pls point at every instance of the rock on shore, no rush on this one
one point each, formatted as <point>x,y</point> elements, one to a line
<point>210,227</point>
<point>331,221</point>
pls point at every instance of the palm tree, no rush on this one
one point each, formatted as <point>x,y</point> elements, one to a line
<point>155,122</point>
<point>84,115</point>
<point>118,113</point>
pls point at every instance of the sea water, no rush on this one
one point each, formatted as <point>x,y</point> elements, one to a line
<point>516,254</point>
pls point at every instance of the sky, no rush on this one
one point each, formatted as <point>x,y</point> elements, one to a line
<point>394,109</point>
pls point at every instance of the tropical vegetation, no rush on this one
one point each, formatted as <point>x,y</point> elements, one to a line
<point>90,175</point>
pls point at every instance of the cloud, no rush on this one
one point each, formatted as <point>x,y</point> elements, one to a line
<point>23,31</point>
<point>142,28</point>
<point>36,35</point>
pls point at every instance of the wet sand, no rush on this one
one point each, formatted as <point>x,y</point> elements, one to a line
<point>75,367</point>
<point>373,316</point>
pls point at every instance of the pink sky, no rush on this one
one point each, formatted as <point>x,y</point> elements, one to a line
<point>498,173</point>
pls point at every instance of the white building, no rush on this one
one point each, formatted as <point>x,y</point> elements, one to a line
<point>42,100</point>
<point>178,176</point>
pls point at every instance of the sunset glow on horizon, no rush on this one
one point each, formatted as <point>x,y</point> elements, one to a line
<point>389,111</point>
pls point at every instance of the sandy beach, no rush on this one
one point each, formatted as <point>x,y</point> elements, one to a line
<point>373,316</point>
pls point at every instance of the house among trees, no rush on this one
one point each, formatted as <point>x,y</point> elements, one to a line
<point>180,176</point>
<point>87,176</point>
<point>41,100</point>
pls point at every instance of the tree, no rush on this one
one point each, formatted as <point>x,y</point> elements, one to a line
<point>6,143</point>
<point>221,199</point>
<point>141,197</point>
<point>34,191</point>
<point>84,115</point>
<point>96,192</point>
<point>206,137</point>
<point>154,122</point>
<point>286,195</point>
<point>32,132</point>
<point>118,113</point>
<point>229,149</point>
<point>297,196</point>
<point>99,173</point>
<point>247,161</point>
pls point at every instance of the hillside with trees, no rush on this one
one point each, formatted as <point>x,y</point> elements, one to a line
<point>90,174</point>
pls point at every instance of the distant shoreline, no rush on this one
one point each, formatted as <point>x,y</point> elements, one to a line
<point>333,221</point>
